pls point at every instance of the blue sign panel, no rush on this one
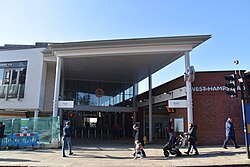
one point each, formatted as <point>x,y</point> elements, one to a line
<point>247,120</point>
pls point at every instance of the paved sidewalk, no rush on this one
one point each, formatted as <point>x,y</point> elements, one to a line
<point>115,154</point>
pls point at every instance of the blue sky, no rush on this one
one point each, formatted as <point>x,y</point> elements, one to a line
<point>228,21</point>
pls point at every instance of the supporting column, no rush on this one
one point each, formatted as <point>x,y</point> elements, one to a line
<point>109,127</point>
<point>55,136</point>
<point>189,91</point>
<point>115,121</point>
<point>61,96</point>
<point>150,107</point>
<point>36,112</point>
<point>123,125</point>
<point>135,92</point>
<point>57,86</point>
<point>144,120</point>
<point>61,117</point>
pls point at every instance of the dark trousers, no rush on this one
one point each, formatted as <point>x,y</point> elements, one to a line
<point>66,142</point>
<point>192,144</point>
<point>227,140</point>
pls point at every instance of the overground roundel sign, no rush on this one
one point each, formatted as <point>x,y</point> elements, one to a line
<point>99,92</point>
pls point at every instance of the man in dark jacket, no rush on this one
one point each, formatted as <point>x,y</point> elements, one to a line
<point>230,134</point>
<point>2,128</point>
<point>66,139</point>
<point>192,138</point>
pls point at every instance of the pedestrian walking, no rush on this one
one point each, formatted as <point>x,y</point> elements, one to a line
<point>230,134</point>
<point>66,139</point>
<point>138,137</point>
<point>192,139</point>
<point>2,128</point>
<point>170,129</point>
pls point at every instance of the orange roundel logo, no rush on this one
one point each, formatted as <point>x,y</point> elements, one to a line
<point>99,92</point>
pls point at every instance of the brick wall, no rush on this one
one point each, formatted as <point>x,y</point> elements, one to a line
<point>211,108</point>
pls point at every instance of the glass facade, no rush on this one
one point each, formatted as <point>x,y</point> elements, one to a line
<point>12,79</point>
<point>98,93</point>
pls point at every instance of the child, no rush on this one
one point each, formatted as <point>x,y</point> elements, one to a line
<point>138,149</point>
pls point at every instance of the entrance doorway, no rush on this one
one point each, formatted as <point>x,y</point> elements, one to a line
<point>92,124</point>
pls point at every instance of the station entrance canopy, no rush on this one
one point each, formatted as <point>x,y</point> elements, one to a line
<point>122,60</point>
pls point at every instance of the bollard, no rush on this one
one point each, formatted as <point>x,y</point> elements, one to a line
<point>101,133</point>
<point>75,133</point>
<point>82,133</point>
<point>95,132</point>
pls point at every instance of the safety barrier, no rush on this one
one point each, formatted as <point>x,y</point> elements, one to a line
<point>19,139</point>
<point>47,128</point>
<point>7,141</point>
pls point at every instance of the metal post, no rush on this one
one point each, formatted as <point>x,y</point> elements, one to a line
<point>189,91</point>
<point>244,118</point>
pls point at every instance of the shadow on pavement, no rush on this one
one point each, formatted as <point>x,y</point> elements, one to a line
<point>213,154</point>
<point>100,157</point>
<point>16,160</point>
<point>102,148</point>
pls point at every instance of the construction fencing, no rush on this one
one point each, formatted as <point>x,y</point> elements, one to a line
<point>30,131</point>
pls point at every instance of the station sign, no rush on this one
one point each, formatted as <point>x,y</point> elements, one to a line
<point>65,104</point>
<point>177,103</point>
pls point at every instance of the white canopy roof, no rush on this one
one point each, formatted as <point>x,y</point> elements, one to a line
<point>122,60</point>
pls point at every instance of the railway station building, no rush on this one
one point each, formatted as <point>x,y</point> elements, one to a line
<point>94,85</point>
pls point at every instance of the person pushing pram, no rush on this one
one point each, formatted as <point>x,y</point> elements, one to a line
<point>172,147</point>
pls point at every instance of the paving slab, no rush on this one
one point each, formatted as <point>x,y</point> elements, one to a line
<point>115,154</point>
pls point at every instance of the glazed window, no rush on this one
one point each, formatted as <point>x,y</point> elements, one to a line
<point>12,79</point>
